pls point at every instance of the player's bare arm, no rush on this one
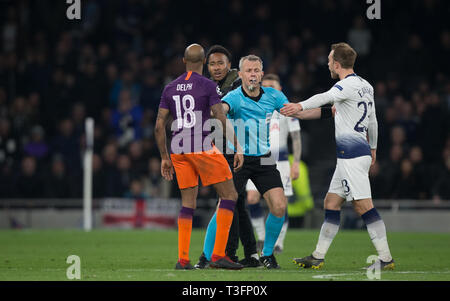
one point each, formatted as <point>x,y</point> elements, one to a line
<point>372,135</point>
<point>219,112</point>
<point>316,113</point>
<point>160,135</point>
<point>316,101</point>
<point>297,150</point>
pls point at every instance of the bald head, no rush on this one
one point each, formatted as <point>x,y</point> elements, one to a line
<point>194,54</point>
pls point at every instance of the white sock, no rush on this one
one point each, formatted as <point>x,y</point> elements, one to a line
<point>326,236</point>
<point>282,236</point>
<point>377,233</point>
<point>260,227</point>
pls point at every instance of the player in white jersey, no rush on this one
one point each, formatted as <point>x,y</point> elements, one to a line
<point>280,127</point>
<point>355,123</point>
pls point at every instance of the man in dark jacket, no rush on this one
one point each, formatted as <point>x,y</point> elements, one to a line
<point>227,79</point>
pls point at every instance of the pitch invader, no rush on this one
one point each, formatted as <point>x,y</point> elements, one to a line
<point>355,122</point>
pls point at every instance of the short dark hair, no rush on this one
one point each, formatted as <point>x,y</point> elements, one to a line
<point>272,76</point>
<point>218,49</point>
<point>344,54</point>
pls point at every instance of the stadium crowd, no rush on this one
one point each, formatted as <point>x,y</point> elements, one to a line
<point>114,62</point>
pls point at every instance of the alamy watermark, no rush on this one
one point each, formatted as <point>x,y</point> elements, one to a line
<point>74,270</point>
<point>374,10</point>
<point>374,270</point>
<point>73,12</point>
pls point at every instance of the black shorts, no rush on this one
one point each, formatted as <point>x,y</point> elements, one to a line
<point>265,176</point>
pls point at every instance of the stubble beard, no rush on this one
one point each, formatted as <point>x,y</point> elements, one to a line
<point>334,75</point>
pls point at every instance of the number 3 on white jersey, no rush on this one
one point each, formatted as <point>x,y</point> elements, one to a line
<point>188,111</point>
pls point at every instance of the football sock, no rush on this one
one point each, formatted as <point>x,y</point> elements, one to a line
<point>282,236</point>
<point>184,232</point>
<point>330,228</point>
<point>377,232</point>
<point>257,218</point>
<point>210,237</point>
<point>273,228</point>
<point>224,218</point>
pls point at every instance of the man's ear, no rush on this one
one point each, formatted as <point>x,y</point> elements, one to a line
<point>337,65</point>
<point>184,61</point>
<point>240,74</point>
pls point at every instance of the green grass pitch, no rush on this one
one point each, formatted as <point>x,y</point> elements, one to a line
<point>145,255</point>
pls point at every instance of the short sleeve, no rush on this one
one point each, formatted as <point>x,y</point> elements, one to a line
<point>281,99</point>
<point>231,102</point>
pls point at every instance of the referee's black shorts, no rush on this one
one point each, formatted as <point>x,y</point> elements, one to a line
<point>261,170</point>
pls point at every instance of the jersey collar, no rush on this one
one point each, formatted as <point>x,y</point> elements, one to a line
<point>257,98</point>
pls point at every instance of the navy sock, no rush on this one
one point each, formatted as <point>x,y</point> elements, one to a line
<point>333,216</point>
<point>371,216</point>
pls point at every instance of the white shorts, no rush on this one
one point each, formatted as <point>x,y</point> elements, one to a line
<point>351,178</point>
<point>285,172</point>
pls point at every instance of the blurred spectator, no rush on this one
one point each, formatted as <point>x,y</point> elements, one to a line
<point>420,173</point>
<point>20,116</point>
<point>155,185</point>
<point>398,136</point>
<point>136,191</point>
<point>406,186</point>
<point>9,144</point>
<point>57,181</point>
<point>78,117</point>
<point>151,92</point>
<point>92,88</point>
<point>98,177</point>
<point>28,184</point>
<point>37,147</point>
<point>359,37</point>
<point>148,124</point>
<point>109,156</point>
<point>10,31</point>
<point>67,144</point>
<point>126,83</point>
<point>391,168</point>
<point>441,187</point>
<point>434,128</point>
<point>377,182</point>
<point>126,120</point>
<point>125,175</point>
<point>136,155</point>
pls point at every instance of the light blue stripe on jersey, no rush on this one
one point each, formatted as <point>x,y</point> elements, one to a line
<point>349,146</point>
